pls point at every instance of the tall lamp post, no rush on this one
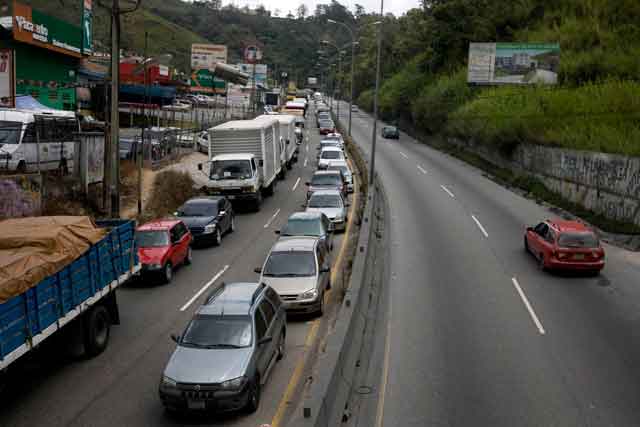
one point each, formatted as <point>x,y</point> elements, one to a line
<point>340,53</point>
<point>375,98</point>
<point>353,55</point>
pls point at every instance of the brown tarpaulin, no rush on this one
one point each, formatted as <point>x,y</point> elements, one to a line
<point>34,248</point>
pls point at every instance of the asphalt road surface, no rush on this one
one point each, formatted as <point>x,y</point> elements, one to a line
<point>477,335</point>
<point>120,387</point>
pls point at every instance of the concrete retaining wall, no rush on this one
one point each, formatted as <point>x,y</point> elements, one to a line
<point>607,184</point>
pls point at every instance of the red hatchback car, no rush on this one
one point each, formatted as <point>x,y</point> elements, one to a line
<point>565,245</point>
<point>162,246</point>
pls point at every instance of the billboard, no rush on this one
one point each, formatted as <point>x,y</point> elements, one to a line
<point>312,81</point>
<point>38,29</point>
<point>260,73</point>
<point>87,27</point>
<point>204,58</point>
<point>513,63</point>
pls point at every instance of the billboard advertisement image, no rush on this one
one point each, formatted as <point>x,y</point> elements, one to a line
<point>260,73</point>
<point>513,63</point>
<point>204,58</point>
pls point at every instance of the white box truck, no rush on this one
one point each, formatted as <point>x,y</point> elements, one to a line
<point>288,134</point>
<point>244,160</point>
<point>272,119</point>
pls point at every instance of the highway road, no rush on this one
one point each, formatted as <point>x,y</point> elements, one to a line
<point>477,335</point>
<point>120,387</point>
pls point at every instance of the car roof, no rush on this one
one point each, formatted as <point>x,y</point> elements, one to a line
<point>231,299</point>
<point>326,172</point>
<point>327,193</point>
<point>158,224</point>
<point>247,124</point>
<point>332,148</point>
<point>306,215</point>
<point>564,225</point>
<point>236,156</point>
<point>204,199</point>
<point>295,243</point>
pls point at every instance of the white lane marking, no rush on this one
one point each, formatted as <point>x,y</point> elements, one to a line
<point>403,155</point>
<point>385,372</point>
<point>307,148</point>
<point>271,219</point>
<point>305,163</point>
<point>480,226</point>
<point>421,169</point>
<point>448,191</point>
<point>528,305</point>
<point>205,287</point>
<point>296,184</point>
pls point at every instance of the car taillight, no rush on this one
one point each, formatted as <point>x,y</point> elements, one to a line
<point>561,255</point>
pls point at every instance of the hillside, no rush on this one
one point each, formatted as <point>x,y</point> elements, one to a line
<point>595,106</point>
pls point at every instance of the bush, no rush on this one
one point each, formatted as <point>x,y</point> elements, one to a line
<point>597,117</point>
<point>365,100</point>
<point>397,92</point>
<point>170,190</point>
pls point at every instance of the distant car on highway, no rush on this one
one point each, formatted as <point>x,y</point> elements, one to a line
<point>298,268</point>
<point>208,218</point>
<point>332,204</point>
<point>226,352</point>
<point>390,132</point>
<point>326,180</point>
<point>314,224</point>
<point>330,154</point>
<point>565,245</point>
<point>163,245</point>
<point>354,108</point>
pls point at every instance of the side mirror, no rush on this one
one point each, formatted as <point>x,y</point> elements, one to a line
<point>277,232</point>
<point>258,270</point>
<point>200,166</point>
<point>175,338</point>
<point>261,163</point>
<point>264,340</point>
<point>307,184</point>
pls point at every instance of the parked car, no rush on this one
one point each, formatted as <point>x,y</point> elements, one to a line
<point>224,356</point>
<point>208,218</point>
<point>343,167</point>
<point>390,132</point>
<point>354,108</point>
<point>298,269</point>
<point>88,123</point>
<point>565,245</point>
<point>322,115</point>
<point>330,203</point>
<point>203,142</point>
<point>314,224</point>
<point>163,245</point>
<point>177,106</point>
<point>330,154</point>
<point>326,180</point>
<point>326,126</point>
<point>324,143</point>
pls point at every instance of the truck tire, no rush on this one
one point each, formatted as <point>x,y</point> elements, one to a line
<point>97,325</point>
<point>283,173</point>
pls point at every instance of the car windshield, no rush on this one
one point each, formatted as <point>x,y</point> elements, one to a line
<point>390,129</point>
<point>578,240</point>
<point>152,238</point>
<point>290,264</point>
<point>215,331</point>
<point>331,155</point>
<point>230,169</point>
<point>303,227</point>
<point>198,209</point>
<point>328,179</point>
<point>325,201</point>
<point>345,170</point>
<point>326,124</point>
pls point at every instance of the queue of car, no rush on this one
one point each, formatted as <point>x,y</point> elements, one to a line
<point>232,343</point>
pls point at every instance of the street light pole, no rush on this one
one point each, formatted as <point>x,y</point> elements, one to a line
<point>375,99</point>
<point>353,61</point>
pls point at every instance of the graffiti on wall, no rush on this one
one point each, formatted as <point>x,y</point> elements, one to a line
<point>21,195</point>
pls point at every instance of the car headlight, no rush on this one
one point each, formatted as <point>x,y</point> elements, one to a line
<point>234,384</point>
<point>168,382</point>
<point>310,294</point>
<point>210,228</point>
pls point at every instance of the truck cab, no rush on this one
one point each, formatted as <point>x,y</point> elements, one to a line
<point>236,176</point>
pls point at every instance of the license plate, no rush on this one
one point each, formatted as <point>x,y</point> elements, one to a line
<point>195,404</point>
<point>578,256</point>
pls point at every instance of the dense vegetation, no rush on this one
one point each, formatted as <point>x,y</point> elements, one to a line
<point>595,107</point>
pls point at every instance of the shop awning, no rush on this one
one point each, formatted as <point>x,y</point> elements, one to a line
<point>29,103</point>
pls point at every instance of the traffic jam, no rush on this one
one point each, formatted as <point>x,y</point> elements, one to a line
<point>228,349</point>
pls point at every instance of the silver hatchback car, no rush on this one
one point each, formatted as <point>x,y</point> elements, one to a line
<point>227,351</point>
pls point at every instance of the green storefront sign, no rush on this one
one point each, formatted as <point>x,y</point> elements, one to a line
<point>203,80</point>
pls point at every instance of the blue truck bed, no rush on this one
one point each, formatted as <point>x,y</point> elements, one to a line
<point>29,318</point>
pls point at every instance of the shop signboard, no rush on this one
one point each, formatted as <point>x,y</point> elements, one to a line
<point>513,63</point>
<point>204,58</point>
<point>312,81</point>
<point>7,79</point>
<point>257,71</point>
<point>34,27</point>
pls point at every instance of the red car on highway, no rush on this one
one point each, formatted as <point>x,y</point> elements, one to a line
<point>162,246</point>
<point>565,245</point>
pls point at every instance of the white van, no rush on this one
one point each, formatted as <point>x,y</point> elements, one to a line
<point>54,132</point>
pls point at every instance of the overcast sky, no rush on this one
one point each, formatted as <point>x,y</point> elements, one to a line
<point>397,7</point>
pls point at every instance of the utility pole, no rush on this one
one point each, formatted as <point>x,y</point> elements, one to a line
<point>375,97</point>
<point>112,178</point>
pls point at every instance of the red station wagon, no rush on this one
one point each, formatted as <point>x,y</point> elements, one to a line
<point>162,246</point>
<point>565,245</point>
